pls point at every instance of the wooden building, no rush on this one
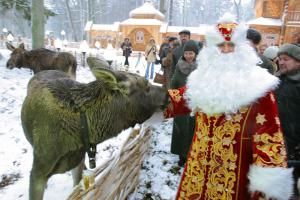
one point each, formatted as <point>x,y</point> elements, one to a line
<point>144,22</point>
<point>277,20</point>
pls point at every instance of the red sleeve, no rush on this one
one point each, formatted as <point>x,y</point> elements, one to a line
<point>268,142</point>
<point>177,106</point>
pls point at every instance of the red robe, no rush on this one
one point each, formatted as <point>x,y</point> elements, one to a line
<point>224,148</point>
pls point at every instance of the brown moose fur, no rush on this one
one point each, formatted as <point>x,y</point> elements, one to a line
<point>41,59</point>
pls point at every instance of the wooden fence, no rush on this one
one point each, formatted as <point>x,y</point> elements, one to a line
<point>119,176</point>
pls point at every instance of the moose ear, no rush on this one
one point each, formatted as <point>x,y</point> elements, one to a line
<point>104,74</point>
<point>9,46</point>
<point>22,46</point>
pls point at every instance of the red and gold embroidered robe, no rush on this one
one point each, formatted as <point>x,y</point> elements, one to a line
<point>224,148</point>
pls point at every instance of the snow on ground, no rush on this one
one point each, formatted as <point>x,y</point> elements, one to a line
<point>159,176</point>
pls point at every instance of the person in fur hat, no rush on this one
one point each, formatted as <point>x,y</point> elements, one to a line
<point>238,150</point>
<point>288,99</point>
<point>183,126</point>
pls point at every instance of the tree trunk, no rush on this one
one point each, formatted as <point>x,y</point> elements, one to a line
<point>38,23</point>
<point>237,5</point>
<point>90,10</point>
<point>162,8</point>
<point>71,21</point>
<point>171,13</point>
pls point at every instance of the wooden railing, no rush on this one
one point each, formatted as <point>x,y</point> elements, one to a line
<point>118,177</point>
<point>293,16</point>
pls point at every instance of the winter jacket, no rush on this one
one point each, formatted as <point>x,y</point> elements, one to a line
<point>127,48</point>
<point>183,126</point>
<point>166,64</point>
<point>177,53</point>
<point>182,70</point>
<point>150,53</point>
<point>288,99</point>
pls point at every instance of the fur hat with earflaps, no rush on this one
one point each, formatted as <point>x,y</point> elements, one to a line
<point>271,52</point>
<point>291,50</point>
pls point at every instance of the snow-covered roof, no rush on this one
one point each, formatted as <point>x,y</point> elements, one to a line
<point>145,22</point>
<point>265,21</point>
<point>194,30</point>
<point>104,27</point>
<point>163,28</point>
<point>88,26</point>
<point>146,9</point>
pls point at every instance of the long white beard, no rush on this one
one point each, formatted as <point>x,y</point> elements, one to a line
<point>223,83</point>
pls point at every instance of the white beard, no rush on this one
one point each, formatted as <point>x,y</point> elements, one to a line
<point>223,83</point>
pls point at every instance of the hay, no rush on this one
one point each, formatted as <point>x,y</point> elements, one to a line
<point>119,176</point>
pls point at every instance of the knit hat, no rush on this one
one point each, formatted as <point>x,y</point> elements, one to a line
<point>291,50</point>
<point>271,52</point>
<point>191,45</point>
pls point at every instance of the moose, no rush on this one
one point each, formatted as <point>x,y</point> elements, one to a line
<point>57,107</point>
<point>41,59</point>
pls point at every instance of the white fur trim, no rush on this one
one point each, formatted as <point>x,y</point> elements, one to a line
<point>227,18</point>
<point>239,35</point>
<point>273,182</point>
<point>223,83</point>
<point>213,36</point>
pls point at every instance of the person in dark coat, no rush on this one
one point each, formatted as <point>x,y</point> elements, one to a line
<point>164,45</point>
<point>255,38</point>
<point>127,49</point>
<point>166,58</point>
<point>184,36</point>
<point>183,126</point>
<point>288,99</point>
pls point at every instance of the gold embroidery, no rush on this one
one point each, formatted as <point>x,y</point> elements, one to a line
<point>272,146</point>
<point>175,95</point>
<point>213,155</point>
<point>243,110</point>
<point>260,119</point>
<point>237,117</point>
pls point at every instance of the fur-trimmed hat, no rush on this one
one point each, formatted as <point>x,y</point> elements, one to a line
<point>191,45</point>
<point>291,50</point>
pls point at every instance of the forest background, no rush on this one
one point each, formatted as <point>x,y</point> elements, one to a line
<point>17,16</point>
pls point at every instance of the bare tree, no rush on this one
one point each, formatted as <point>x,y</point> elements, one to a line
<point>237,5</point>
<point>71,22</point>
<point>171,6</point>
<point>37,20</point>
<point>162,6</point>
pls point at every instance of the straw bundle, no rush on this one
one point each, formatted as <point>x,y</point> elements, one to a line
<point>119,176</point>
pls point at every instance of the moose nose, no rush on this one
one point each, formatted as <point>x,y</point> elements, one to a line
<point>8,65</point>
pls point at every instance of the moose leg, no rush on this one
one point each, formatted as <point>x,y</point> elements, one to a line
<point>72,72</point>
<point>38,182</point>
<point>77,172</point>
